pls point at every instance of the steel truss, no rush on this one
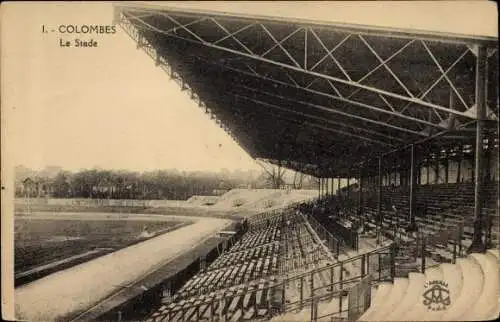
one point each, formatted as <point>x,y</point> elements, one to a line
<point>306,67</point>
<point>404,101</point>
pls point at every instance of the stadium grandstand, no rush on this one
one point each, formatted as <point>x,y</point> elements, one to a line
<point>400,126</point>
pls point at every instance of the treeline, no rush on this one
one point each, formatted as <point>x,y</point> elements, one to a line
<point>166,184</point>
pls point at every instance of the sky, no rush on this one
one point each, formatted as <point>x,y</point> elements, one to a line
<point>111,107</point>
<point>107,107</point>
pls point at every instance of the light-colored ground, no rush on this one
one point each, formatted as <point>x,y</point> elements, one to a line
<point>78,288</point>
<point>258,200</point>
<point>236,200</point>
<point>102,216</point>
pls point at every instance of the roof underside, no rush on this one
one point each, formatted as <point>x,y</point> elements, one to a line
<point>318,98</point>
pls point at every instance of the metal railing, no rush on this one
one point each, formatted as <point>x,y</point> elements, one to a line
<point>378,264</point>
<point>332,243</point>
<point>343,235</point>
<point>342,276</point>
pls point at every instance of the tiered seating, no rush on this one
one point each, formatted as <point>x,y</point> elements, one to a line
<point>229,275</point>
<point>255,239</point>
<point>245,255</point>
<point>444,215</point>
<point>263,220</point>
<point>239,283</point>
<point>248,301</point>
<point>442,212</point>
<point>318,284</point>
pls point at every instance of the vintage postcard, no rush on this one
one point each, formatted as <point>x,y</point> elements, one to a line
<point>250,161</point>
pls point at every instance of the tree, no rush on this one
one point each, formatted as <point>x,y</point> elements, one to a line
<point>274,175</point>
<point>298,177</point>
<point>60,186</point>
<point>104,184</point>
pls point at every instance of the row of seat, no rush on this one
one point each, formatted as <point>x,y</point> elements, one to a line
<point>441,231</point>
<point>245,255</point>
<point>256,238</point>
<point>242,272</point>
<point>239,280</point>
<point>262,220</point>
<point>454,202</point>
<point>317,278</point>
<point>246,301</point>
<point>318,283</point>
<point>300,250</point>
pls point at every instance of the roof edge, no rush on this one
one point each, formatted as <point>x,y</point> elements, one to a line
<point>347,27</point>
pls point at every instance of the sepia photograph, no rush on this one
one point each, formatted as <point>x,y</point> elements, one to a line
<point>322,161</point>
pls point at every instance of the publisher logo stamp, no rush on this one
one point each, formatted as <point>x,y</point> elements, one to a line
<point>436,295</point>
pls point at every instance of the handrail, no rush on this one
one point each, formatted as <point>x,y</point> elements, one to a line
<point>345,286</point>
<point>339,263</point>
<point>333,242</point>
<point>348,235</point>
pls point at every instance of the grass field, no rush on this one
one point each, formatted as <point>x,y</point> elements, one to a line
<point>43,246</point>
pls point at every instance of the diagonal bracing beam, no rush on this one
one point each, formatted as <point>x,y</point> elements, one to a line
<point>232,36</point>
<point>341,99</point>
<point>198,40</point>
<point>381,61</point>
<point>313,117</point>
<point>431,54</point>
<point>279,44</point>
<point>334,111</point>
<point>388,59</point>
<point>424,94</point>
<point>330,54</point>
<point>229,35</point>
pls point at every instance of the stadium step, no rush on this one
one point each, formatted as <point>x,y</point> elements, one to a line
<point>412,294</point>
<point>489,293</point>
<point>465,291</point>
<point>473,284</point>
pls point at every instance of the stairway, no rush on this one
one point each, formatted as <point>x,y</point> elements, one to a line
<point>466,291</point>
<point>324,309</point>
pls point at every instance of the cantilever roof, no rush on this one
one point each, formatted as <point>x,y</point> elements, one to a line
<point>307,92</point>
<point>412,16</point>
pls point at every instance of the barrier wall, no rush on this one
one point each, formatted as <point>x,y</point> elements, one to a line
<point>92,202</point>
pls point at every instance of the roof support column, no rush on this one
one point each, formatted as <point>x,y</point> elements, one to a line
<point>348,187</point>
<point>459,165</point>
<point>413,189</point>
<point>326,186</point>
<point>331,185</point>
<point>319,188</point>
<point>477,240</point>
<point>360,193</point>
<point>338,186</point>
<point>488,157</point>
<point>446,167</point>
<point>437,164</point>
<point>428,169</point>
<point>379,200</point>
